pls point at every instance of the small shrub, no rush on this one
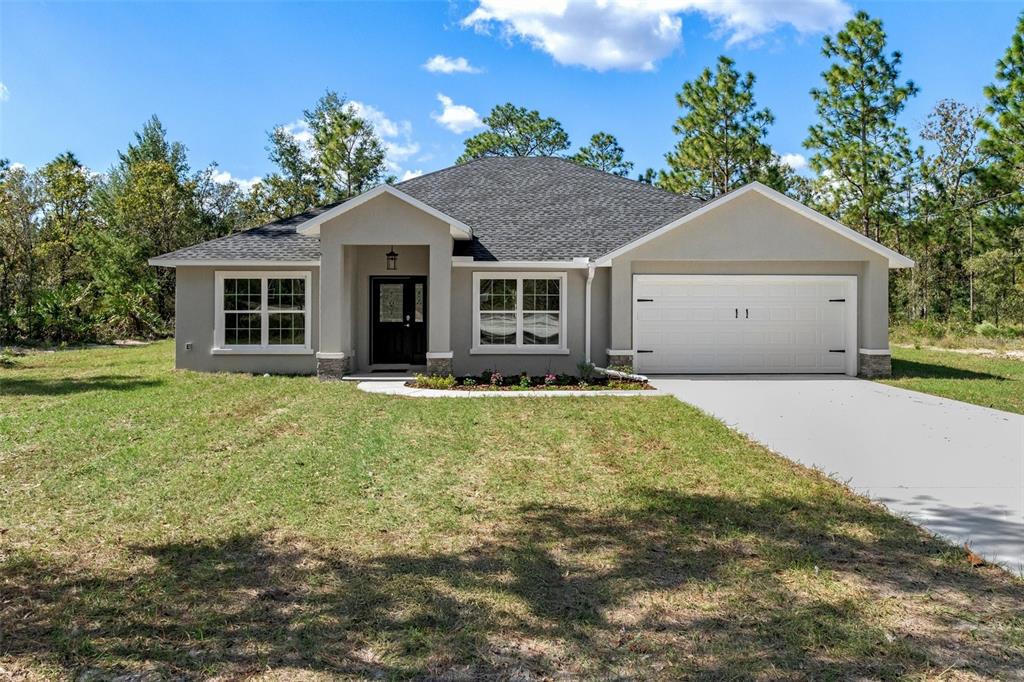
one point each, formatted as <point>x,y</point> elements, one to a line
<point>496,379</point>
<point>585,370</point>
<point>469,381</point>
<point>438,382</point>
<point>993,331</point>
<point>524,381</point>
<point>550,379</point>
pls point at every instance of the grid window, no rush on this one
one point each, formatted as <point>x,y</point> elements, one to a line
<point>263,311</point>
<point>520,311</point>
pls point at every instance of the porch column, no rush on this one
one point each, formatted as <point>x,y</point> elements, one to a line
<point>621,352</point>
<point>439,314</point>
<point>334,357</point>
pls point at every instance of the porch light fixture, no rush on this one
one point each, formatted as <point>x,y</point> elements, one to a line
<point>392,259</point>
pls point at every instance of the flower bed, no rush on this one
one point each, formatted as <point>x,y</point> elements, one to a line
<point>495,381</point>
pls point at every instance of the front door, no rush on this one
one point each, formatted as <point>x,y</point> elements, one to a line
<point>398,320</point>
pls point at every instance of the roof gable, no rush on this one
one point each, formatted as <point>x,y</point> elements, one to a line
<point>895,259</point>
<point>459,230</point>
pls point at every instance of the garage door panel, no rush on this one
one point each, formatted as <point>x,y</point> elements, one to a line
<point>743,324</point>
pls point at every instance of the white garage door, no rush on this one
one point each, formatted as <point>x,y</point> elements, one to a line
<point>725,324</point>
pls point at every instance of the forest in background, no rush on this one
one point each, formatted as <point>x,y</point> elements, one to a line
<point>74,243</point>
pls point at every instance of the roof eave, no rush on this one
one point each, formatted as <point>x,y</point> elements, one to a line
<point>163,262</point>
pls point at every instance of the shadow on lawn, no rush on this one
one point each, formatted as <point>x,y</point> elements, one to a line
<point>675,585</point>
<point>16,385</point>
<point>908,369</point>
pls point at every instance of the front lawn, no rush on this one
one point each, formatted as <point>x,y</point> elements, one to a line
<point>192,525</point>
<point>990,381</point>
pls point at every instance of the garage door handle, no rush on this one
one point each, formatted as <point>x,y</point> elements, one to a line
<point>737,313</point>
<point>832,350</point>
<point>837,300</point>
<point>747,312</point>
<point>645,300</point>
<point>645,351</point>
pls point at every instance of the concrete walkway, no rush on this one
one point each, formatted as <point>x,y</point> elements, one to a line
<point>955,468</point>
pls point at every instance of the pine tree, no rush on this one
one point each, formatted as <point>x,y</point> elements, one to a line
<point>516,131</point>
<point>722,134</point>
<point>343,157</point>
<point>860,151</point>
<point>1004,142</point>
<point>605,154</point>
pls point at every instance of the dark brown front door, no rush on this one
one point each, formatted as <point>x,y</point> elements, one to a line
<point>398,320</point>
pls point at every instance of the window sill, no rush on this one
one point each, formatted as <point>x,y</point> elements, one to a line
<point>261,350</point>
<point>518,350</point>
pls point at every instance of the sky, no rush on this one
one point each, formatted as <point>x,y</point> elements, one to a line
<point>82,76</point>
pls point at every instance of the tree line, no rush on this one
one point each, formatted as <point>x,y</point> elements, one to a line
<point>74,243</point>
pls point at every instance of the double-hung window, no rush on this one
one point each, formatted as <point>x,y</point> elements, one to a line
<point>262,312</point>
<point>519,312</point>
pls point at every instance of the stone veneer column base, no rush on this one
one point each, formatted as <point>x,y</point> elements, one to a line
<point>440,364</point>
<point>874,364</point>
<point>620,358</point>
<point>332,366</point>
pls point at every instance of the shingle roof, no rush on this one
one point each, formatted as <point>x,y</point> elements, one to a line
<point>545,208</point>
<point>277,241</point>
<point>532,208</point>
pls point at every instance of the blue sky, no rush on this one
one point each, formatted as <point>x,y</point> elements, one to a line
<point>83,76</point>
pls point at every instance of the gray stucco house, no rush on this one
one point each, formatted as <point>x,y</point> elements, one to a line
<point>537,264</point>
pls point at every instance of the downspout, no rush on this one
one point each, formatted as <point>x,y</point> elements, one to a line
<point>590,281</point>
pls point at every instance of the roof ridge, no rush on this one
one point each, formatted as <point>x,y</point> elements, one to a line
<point>446,168</point>
<point>624,178</point>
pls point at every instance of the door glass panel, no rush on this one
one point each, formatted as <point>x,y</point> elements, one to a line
<point>391,304</point>
<point>419,301</point>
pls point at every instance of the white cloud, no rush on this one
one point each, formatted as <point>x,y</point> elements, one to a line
<point>457,118</point>
<point>300,131</point>
<point>441,64</point>
<point>5,94</point>
<point>17,166</point>
<point>224,177</point>
<point>410,174</point>
<point>635,34</point>
<point>797,162</point>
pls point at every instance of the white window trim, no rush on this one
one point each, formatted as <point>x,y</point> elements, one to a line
<point>519,348</point>
<point>264,348</point>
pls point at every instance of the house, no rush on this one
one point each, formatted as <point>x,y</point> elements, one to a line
<point>536,265</point>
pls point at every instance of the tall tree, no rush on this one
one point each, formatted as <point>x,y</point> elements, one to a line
<point>605,154</point>
<point>860,150</point>
<point>516,131</point>
<point>342,158</point>
<point>19,208</point>
<point>1004,142</point>
<point>149,202</point>
<point>66,208</point>
<point>721,133</point>
<point>947,200</point>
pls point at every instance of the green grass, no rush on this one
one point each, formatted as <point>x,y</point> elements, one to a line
<point>990,381</point>
<point>193,525</point>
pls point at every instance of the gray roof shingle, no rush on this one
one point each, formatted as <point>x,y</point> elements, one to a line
<point>277,241</point>
<point>528,208</point>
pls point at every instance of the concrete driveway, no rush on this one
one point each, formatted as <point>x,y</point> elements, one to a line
<point>955,468</point>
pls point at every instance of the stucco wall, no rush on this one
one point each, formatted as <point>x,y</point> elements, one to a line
<point>384,220</point>
<point>753,235</point>
<point>513,363</point>
<point>194,300</point>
